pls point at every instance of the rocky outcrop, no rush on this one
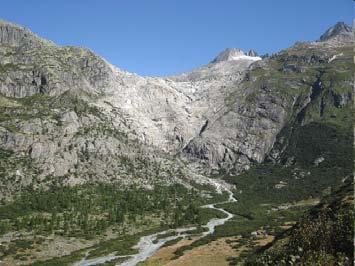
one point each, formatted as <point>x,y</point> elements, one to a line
<point>339,32</point>
<point>231,54</point>
<point>228,54</point>
<point>30,65</point>
<point>341,99</point>
<point>14,35</point>
<point>242,134</point>
<point>252,53</point>
<point>74,115</point>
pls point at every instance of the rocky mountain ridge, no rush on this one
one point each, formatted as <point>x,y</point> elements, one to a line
<point>339,32</point>
<point>68,113</point>
<point>236,54</point>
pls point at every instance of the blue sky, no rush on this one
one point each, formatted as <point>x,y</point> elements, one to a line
<point>163,37</point>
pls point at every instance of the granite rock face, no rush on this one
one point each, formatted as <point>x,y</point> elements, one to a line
<point>228,54</point>
<point>339,32</point>
<point>68,113</point>
<point>31,65</point>
<point>17,36</point>
<point>252,53</point>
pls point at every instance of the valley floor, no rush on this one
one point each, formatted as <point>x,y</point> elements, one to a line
<point>236,240</point>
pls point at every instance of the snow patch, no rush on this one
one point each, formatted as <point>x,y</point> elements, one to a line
<point>245,57</point>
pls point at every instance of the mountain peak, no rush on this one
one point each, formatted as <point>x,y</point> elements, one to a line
<point>228,55</point>
<point>339,32</point>
<point>232,54</point>
<point>252,53</point>
<point>16,35</point>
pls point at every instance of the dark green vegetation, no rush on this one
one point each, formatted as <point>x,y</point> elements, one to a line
<point>65,260</point>
<point>312,158</point>
<point>88,211</point>
<point>274,184</point>
<point>324,235</point>
<point>272,194</point>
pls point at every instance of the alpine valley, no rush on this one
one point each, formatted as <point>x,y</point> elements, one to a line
<point>247,160</point>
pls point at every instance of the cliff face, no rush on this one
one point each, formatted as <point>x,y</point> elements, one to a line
<point>68,113</point>
<point>340,32</point>
<point>295,86</point>
<point>31,65</point>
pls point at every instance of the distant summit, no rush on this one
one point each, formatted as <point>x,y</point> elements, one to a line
<point>14,35</point>
<point>252,53</point>
<point>231,54</point>
<point>339,32</point>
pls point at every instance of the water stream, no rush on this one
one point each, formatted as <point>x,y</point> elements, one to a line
<point>150,244</point>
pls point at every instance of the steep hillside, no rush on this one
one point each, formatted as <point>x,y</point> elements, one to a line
<point>68,115</point>
<point>273,94</point>
<point>92,158</point>
<point>324,236</point>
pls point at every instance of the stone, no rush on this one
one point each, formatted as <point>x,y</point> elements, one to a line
<point>91,120</point>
